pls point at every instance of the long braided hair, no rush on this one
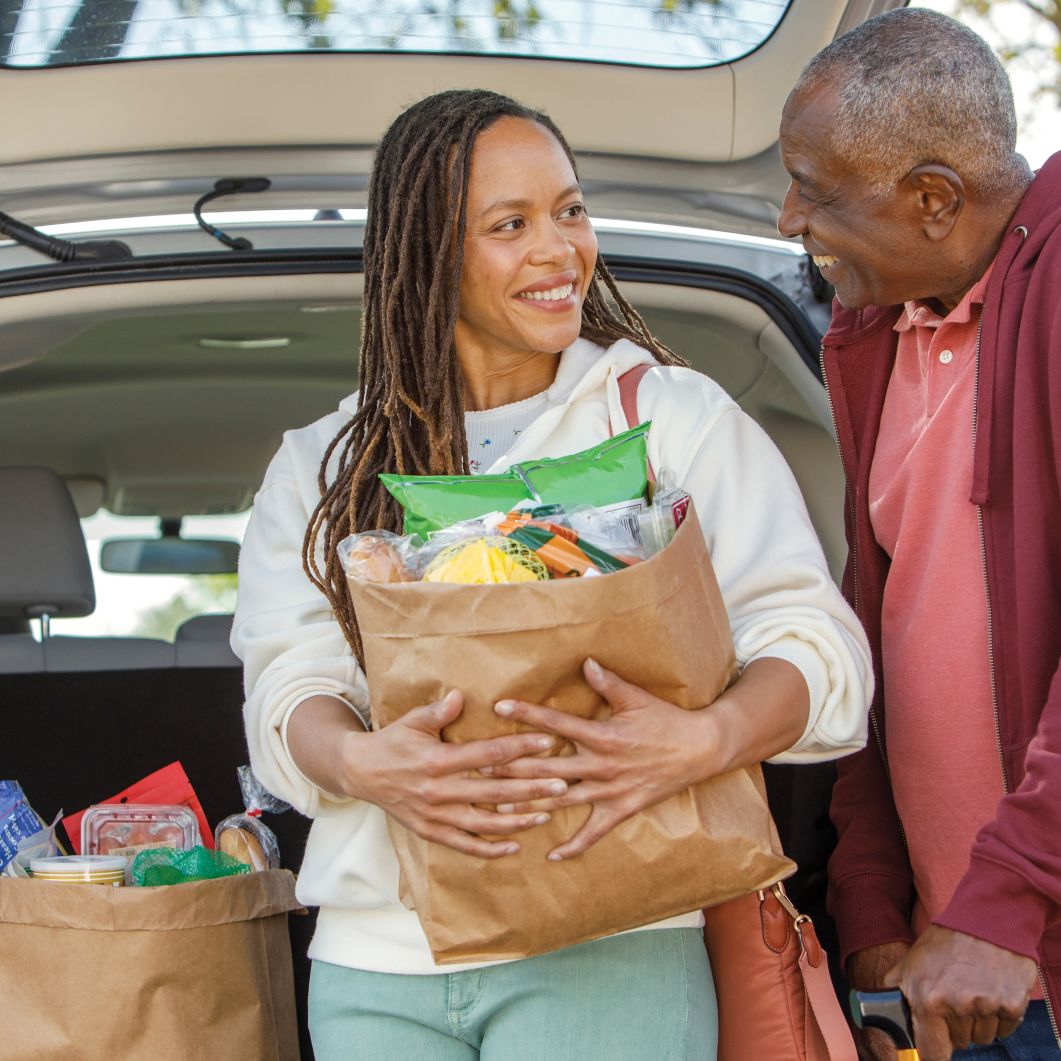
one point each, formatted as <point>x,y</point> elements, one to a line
<point>410,414</point>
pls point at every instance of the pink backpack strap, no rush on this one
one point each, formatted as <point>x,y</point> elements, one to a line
<point>629,381</point>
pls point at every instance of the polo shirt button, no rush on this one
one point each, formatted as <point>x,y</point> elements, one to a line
<point>945,357</point>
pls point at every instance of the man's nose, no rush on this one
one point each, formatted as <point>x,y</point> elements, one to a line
<point>792,221</point>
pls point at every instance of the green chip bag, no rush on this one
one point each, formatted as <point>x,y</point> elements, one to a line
<point>613,473</point>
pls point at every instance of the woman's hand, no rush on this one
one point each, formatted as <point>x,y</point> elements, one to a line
<point>426,784</point>
<point>649,750</point>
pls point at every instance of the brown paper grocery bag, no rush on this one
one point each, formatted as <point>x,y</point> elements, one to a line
<point>660,624</point>
<point>177,973</point>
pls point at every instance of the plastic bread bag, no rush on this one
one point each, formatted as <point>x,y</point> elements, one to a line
<point>245,837</point>
<point>379,556</point>
<point>614,472</point>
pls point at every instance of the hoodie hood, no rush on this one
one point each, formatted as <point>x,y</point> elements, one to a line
<point>584,370</point>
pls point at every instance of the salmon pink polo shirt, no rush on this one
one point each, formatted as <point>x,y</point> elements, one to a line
<point>943,752</point>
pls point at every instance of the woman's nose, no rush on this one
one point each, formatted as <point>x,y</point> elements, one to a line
<point>552,245</point>
<point>792,221</point>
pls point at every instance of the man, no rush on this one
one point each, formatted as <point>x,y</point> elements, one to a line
<point>943,364</point>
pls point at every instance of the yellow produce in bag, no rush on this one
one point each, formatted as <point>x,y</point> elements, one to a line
<point>486,560</point>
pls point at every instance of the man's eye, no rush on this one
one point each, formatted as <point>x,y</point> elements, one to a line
<point>514,225</point>
<point>575,210</point>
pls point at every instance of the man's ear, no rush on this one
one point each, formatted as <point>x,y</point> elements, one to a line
<point>940,195</point>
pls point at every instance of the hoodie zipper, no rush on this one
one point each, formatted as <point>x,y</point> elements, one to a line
<point>991,649</point>
<point>849,498</point>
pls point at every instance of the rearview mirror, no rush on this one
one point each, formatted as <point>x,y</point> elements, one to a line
<point>169,556</point>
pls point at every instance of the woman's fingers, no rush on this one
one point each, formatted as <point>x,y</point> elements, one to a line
<point>570,767</point>
<point>598,825</point>
<point>464,842</point>
<point>495,790</point>
<point>459,758</point>
<point>577,795</point>
<point>580,730</point>
<point>485,822</point>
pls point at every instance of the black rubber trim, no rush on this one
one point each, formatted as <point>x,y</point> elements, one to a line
<point>35,279</point>
<point>792,321</point>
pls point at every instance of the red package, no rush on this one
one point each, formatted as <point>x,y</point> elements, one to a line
<point>170,785</point>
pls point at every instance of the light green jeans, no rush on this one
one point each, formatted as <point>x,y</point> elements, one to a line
<point>643,996</point>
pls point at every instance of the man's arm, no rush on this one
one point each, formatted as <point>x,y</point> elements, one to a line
<point>870,880</point>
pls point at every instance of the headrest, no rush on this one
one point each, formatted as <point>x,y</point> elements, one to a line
<point>44,568</point>
<point>205,628</point>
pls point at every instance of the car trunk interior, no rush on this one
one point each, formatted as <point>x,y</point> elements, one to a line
<point>203,377</point>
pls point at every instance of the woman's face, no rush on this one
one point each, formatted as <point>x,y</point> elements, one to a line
<point>529,249</point>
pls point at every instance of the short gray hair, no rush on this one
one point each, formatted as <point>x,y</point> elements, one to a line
<point>914,87</point>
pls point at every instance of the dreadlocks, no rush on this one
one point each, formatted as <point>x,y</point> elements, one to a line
<point>410,415</point>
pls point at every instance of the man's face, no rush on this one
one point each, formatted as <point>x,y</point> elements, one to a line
<point>872,249</point>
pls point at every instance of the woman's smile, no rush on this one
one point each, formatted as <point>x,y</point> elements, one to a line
<point>557,293</point>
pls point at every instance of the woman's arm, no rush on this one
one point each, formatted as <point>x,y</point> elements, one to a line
<point>411,773</point>
<point>307,709</point>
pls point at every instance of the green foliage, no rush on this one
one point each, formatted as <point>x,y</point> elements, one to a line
<point>204,594</point>
<point>1046,59</point>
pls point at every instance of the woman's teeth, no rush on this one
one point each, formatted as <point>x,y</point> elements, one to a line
<point>823,261</point>
<point>555,294</point>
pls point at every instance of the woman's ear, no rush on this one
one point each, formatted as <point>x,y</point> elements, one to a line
<point>940,196</point>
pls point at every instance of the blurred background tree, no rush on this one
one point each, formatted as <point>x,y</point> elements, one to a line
<point>1043,49</point>
<point>99,29</point>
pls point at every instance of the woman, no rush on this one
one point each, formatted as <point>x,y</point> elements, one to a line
<point>490,336</point>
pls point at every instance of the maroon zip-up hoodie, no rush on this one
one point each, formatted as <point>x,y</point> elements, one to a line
<point>1011,894</point>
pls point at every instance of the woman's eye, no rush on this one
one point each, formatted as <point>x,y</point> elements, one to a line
<point>514,225</point>
<point>575,210</point>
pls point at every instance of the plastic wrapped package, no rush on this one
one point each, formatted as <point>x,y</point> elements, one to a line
<point>377,556</point>
<point>128,828</point>
<point>245,837</point>
<point>18,820</point>
<point>612,473</point>
<point>151,869</point>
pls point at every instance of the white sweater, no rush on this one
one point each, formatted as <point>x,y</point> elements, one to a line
<point>773,577</point>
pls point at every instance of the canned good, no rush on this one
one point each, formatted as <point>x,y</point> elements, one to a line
<point>81,869</point>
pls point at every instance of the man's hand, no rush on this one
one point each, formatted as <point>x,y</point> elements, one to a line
<point>961,990</point>
<point>866,971</point>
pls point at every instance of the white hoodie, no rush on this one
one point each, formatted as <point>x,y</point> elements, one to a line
<point>780,598</point>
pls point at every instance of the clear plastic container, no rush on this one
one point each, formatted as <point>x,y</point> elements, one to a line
<point>129,828</point>
<point>80,869</point>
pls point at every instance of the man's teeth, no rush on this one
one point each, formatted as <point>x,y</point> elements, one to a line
<point>553,295</point>
<point>823,261</point>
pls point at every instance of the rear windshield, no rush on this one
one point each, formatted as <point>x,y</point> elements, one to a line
<point>667,33</point>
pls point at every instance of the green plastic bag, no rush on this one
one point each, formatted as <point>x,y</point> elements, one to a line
<point>610,474</point>
<point>164,865</point>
